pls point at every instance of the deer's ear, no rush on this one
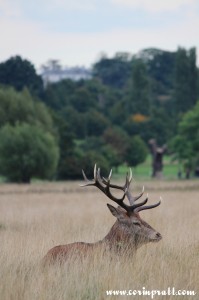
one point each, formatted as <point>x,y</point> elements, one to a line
<point>117,212</point>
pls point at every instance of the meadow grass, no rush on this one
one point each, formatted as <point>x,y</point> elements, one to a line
<point>35,218</point>
<point>143,171</point>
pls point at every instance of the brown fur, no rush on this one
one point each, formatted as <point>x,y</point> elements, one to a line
<point>124,235</point>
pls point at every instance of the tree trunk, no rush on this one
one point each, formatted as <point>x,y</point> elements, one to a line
<point>157,159</point>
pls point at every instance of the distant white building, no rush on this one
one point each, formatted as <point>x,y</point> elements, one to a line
<point>53,72</point>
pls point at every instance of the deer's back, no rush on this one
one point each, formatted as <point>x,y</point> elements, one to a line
<point>62,253</point>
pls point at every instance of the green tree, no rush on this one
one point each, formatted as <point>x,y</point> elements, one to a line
<point>118,139</point>
<point>185,145</point>
<point>119,112</point>
<point>136,152</point>
<point>82,100</point>
<point>20,107</point>
<point>160,66</point>
<point>111,156</point>
<point>115,71</point>
<point>66,146</point>
<point>185,92</point>
<point>20,73</point>
<point>57,95</point>
<point>90,158</point>
<point>193,79</point>
<point>85,160</point>
<point>26,151</point>
<point>96,123</point>
<point>76,121</point>
<point>139,93</point>
<point>97,144</point>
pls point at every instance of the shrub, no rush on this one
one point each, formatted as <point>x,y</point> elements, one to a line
<point>27,151</point>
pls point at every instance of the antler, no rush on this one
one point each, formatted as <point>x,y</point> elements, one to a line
<point>104,185</point>
<point>129,178</point>
<point>149,206</point>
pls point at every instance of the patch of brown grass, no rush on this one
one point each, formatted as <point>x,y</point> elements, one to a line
<point>34,218</point>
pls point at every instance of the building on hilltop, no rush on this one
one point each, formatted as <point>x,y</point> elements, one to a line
<point>53,72</point>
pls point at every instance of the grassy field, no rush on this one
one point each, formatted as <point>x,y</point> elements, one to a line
<point>34,218</point>
<point>143,171</point>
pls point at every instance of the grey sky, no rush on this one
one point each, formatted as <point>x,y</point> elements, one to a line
<point>76,32</point>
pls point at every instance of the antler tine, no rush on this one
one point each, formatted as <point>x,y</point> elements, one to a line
<point>123,188</point>
<point>149,206</point>
<point>89,183</point>
<point>140,204</point>
<point>95,172</point>
<point>107,187</point>
<point>132,198</point>
<point>130,176</point>
<point>110,174</point>
<point>84,175</point>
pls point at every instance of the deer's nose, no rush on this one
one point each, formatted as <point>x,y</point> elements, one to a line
<point>158,235</point>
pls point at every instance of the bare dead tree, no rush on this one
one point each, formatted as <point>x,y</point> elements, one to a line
<point>157,158</point>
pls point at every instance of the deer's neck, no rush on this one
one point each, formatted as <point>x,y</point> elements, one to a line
<point>118,239</point>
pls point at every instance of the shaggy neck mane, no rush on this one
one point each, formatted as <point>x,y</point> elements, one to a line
<point>118,238</point>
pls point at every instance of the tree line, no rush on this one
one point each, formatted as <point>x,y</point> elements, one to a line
<point>54,131</point>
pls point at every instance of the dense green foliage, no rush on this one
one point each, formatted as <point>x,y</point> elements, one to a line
<point>138,93</point>
<point>186,143</point>
<point>20,73</point>
<point>113,72</point>
<point>27,151</point>
<point>17,107</point>
<point>136,151</point>
<point>185,80</point>
<point>110,118</point>
<point>28,147</point>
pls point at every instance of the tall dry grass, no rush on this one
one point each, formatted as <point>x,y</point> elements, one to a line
<point>34,218</point>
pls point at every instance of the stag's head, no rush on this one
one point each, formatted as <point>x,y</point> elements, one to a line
<point>129,223</point>
<point>134,229</point>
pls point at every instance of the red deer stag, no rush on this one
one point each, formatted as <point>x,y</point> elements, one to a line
<point>129,232</point>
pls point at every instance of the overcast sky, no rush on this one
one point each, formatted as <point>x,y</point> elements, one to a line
<point>76,32</point>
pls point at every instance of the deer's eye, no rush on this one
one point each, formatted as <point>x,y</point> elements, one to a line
<point>137,224</point>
